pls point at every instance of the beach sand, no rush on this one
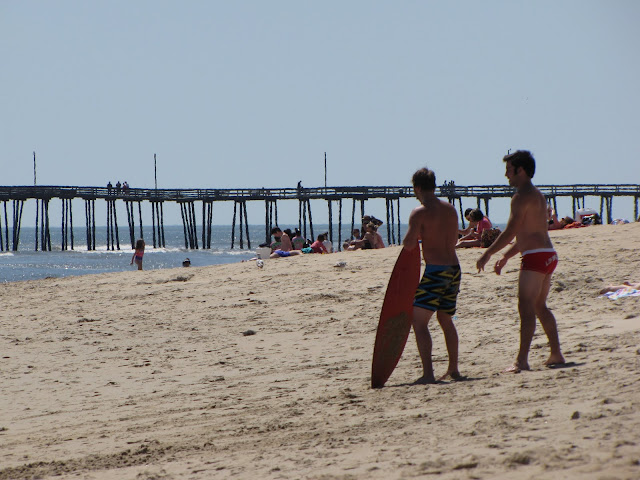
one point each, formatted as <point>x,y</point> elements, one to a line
<point>157,375</point>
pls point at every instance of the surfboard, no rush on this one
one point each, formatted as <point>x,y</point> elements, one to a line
<point>395,317</point>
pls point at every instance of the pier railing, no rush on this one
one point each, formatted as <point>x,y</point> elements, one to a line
<point>187,198</point>
<point>228,194</point>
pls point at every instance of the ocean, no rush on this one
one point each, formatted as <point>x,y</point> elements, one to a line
<point>28,264</point>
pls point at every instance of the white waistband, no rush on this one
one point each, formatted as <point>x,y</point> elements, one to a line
<point>539,250</point>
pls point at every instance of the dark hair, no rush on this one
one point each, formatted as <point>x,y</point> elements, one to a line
<point>522,159</point>
<point>275,230</point>
<point>321,238</point>
<point>140,244</point>
<point>288,232</point>
<point>425,179</point>
<point>476,215</point>
<point>466,212</point>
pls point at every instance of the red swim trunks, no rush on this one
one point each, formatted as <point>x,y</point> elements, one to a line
<point>543,260</point>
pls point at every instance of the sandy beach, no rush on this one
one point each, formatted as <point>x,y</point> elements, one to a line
<point>233,371</point>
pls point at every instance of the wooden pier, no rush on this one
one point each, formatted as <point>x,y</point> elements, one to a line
<point>187,199</point>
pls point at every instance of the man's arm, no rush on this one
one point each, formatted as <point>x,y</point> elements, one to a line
<point>413,232</point>
<point>513,226</point>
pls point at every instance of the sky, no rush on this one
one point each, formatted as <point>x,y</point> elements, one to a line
<point>250,94</point>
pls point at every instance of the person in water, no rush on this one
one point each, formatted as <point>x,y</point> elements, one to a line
<point>138,254</point>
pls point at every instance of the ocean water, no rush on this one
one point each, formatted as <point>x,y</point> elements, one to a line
<point>28,264</point>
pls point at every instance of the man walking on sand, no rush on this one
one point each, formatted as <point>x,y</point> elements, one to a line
<point>528,224</point>
<point>435,222</point>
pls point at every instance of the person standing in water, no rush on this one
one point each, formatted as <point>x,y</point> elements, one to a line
<point>138,254</point>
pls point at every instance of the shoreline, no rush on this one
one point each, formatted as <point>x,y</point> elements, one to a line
<point>155,374</point>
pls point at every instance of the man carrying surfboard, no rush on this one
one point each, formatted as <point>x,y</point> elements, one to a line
<point>528,225</point>
<point>435,223</point>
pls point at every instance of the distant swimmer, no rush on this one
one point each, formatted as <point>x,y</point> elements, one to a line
<point>528,224</point>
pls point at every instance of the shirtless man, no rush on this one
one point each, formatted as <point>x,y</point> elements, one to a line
<point>285,249</point>
<point>528,225</point>
<point>435,222</point>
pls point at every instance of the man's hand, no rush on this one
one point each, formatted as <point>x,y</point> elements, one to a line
<point>482,261</point>
<point>500,265</point>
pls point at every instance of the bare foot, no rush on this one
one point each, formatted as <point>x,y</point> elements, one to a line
<point>425,380</point>
<point>555,360</point>
<point>516,368</point>
<point>455,375</point>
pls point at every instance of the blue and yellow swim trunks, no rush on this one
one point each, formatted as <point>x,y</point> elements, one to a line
<point>438,289</point>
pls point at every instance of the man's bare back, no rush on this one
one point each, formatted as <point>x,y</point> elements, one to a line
<point>435,222</point>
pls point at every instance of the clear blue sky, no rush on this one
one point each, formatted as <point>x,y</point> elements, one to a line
<point>252,93</point>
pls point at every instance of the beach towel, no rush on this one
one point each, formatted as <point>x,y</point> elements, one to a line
<point>623,292</point>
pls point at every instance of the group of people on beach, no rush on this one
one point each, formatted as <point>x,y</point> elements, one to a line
<point>287,242</point>
<point>435,224</point>
<point>365,238</point>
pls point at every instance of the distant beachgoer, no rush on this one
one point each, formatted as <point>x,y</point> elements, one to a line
<point>615,288</point>
<point>435,222</point>
<point>298,240</point>
<point>118,186</point>
<point>528,225</point>
<point>328,244</point>
<point>474,238</point>
<point>472,225</point>
<point>355,236</point>
<point>318,245</point>
<point>138,254</point>
<point>284,248</point>
<point>109,188</point>
<point>186,262</point>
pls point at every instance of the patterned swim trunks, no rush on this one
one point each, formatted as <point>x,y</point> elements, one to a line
<point>438,289</point>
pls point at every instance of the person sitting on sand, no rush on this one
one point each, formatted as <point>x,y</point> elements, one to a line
<point>552,219</point>
<point>318,246</point>
<point>284,247</point>
<point>481,223</point>
<point>298,240</point>
<point>471,227</point>
<point>355,236</point>
<point>328,244</point>
<point>372,239</point>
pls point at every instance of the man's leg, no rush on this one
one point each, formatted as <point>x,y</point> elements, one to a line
<point>451,339</point>
<point>548,322</point>
<point>529,288</point>
<point>421,317</point>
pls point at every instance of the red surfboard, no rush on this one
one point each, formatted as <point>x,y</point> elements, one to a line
<point>395,317</point>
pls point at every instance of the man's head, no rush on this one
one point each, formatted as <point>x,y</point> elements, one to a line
<point>276,232</point>
<point>519,160</point>
<point>424,179</point>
